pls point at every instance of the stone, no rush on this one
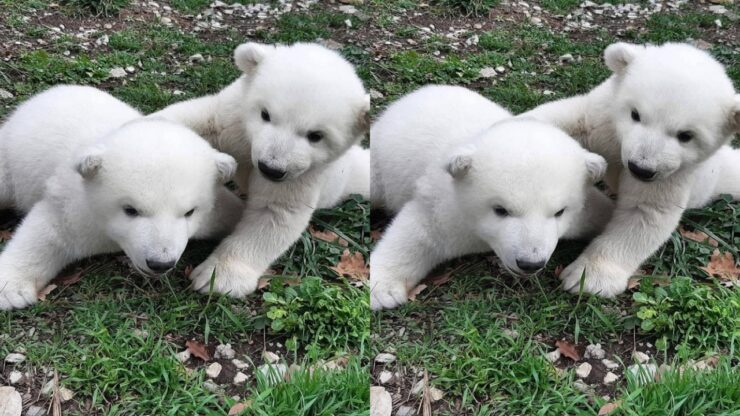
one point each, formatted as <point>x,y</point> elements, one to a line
<point>376,95</point>
<point>183,356</point>
<point>273,373</point>
<point>566,59</point>
<point>211,386</point>
<point>609,364</point>
<point>143,334</point>
<point>385,377</point>
<point>385,358</point>
<point>594,351</point>
<point>66,394</point>
<point>610,378</point>
<point>553,356</point>
<point>240,378</point>
<point>640,357</point>
<point>405,411</point>
<point>643,373</point>
<point>15,377</point>
<point>270,357</point>
<point>196,59</point>
<point>239,364</point>
<point>5,94</point>
<point>117,73</point>
<point>11,403</point>
<point>36,411</point>
<point>381,403</point>
<point>500,69</point>
<point>224,352</point>
<point>435,394</point>
<point>348,9</point>
<point>418,388</point>
<point>487,72</point>
<point>15,358</point>
<point>213,370</point>
<point>583,370</point>
<point>581,386</point>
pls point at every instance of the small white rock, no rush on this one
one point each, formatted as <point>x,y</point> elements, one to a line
<point>405,411</point>
<point>610,378</point>
<point>224,351</point>
<point>66,394</point>
<point>15,358</point>
<point>213,370</point>
<point>15,377</point>
<point>117,73</point>
<point>240,378</point>
<point>381,402</point>
<point>385,358</point>
<point>418,388</point>
<point>553,356</point>
<point>48,388</point>
<point>611,365</point>
<point>511,333</point>
<point>270,357</point>
<point>183,356</point>
<point>11,402</point>
<point>375,95</point>
<point>581,386</point>
<point>273,373</point>
<point>210,385</point>
<point>640,357</point>
<point>487,72</point>
<point>5,94</point>
<point>131,69</point>
<point>500,69</point>
<point>36,411</point>
<point>436,394</point>
<point>583,370</point>
<point>241,365</point>
<point>385,377</point>
<point>594,351</point>
<point>567,58</point>
<point>195,59</point>
<point>643,373</point>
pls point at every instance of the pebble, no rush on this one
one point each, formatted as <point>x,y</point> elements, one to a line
<point>566,59</point>
<point>15,377</point>
<point>436,394</point>
<point>376,95</point>
<point>405,411</point>
<point>553,356</point>
<point>117,73</point>
<point>418,388</point>
<point>239,364</point>
<point>595,351</point>
<point>183,356</point>
<point>210,385</point>
<point>142,334</point>
<point>381,403</point>
<point>213,370</point>
<point>5,94</point>
<point>583,370</point>
<point>348,9</point>
<point>196,59</point>
<point>15,358</point>
<point>643,373</point>
<point>240,378</point>
<point>385,358</point>
<point>581,386</point>
<point>36,411</point>
<point>487,72</point>
<point>11,403</point>
<point>500,69</point>
<point>66,394</point>
<point>270,357</point>
<point>385,377</point>
<point>610,378</point>
<point>273,373</point>
<point>224,352</point>
<point>611,365</point>
<point>640,357</point>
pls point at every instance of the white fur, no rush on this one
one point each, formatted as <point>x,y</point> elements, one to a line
<point>673,88</point>
<point>303,88</point>
<point>446,157</point>
<point>73,158</point>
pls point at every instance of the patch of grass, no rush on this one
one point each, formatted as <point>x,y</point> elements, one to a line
<point>303,27</point>
<point>679,27</point>
<point>97,7</point>
<point>468,7</point>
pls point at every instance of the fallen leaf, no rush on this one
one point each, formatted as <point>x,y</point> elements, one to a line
<point>558,270</point>
<point>415,291</point>
<point>328,236</point>
<point>439,279</point>
<point>722,266</point>
<point>5,235</point>
<point>69,279</point>
<point>698,236</point>
<point>45,291</point>
<point>198,349</point>
<point>375,235</point>
<point>633,282</point>
<point>353,266</point>
<point>568,350</point>
<point>239,407</point>
<point>609,407</point>
<point>188,270</point>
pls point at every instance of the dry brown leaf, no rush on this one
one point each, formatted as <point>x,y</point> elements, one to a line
<point>263,282</point>
<point>198,349</point>
<point>375,235</point>
<point>567,349</point>
<point>188,270</point>
<point>698,236</point>
<point>353,266</point>
<point>558,270</point>
<point>69,279</point>
<point>45,292</point>
<point>328,236</point>
<point>722,266</point>
<point>239,407</point>
<point>5,235</point>
<point>633,282</point>
<point>609,407</point>
<point>415,291</point>
<point>439,279</point>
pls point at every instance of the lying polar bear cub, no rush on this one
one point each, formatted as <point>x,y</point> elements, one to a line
<point>662,121</point>
<point>94,179</point>
<point>467,178</point>
<point>293,121</point>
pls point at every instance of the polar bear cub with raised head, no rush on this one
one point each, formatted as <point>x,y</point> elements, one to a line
<point>293,121</point>
<point>95,177</point>
<point>662,121</point>
<point>468,178</point>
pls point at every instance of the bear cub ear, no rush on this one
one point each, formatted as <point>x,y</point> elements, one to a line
<point>460,163</point>
<point>734,121</point>
<point>362,122</point>
<point>90,163</point>
<point>595,167</point>
<point>248,56</point>
<point>225,167</point>
<point>619,55</point>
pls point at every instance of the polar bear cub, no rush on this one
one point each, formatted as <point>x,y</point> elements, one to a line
<point>95,177</point>
<point>293,121</point>
<point>468,178</point>
<point>662,121</point>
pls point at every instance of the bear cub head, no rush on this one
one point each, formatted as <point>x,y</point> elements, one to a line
<point>305,106</point>
<point>149,185</point>
<point>673,107</point>
<point>520,185</point>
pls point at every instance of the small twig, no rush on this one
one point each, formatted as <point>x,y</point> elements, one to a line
<point>56,409</point>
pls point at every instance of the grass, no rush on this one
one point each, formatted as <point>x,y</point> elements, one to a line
<point>113,336</point>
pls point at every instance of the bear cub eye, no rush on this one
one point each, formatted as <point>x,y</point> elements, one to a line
<point>635,115</point>
<point>560,213</point>
<point>315,136</point>
<point>190,213</point>
<point>501,211</point>
<point>265,115</point>
<point>130,211</point>
<point>685,136</point>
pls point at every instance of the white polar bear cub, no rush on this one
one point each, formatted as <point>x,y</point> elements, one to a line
<point>96,178</point>
<point>662,121</point>
<point>468,178</point>
<point>292,121</point>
